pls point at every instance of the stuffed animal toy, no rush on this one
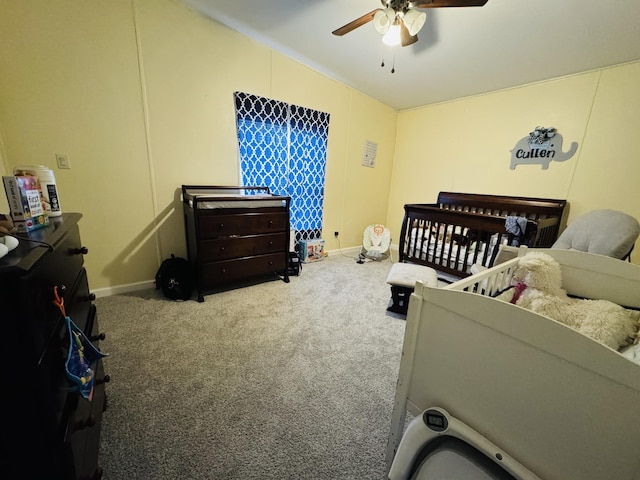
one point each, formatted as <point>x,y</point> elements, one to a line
<point>537,285</point>
<point>7,242</point>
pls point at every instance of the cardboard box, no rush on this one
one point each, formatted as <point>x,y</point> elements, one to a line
<point>24,195</point>
<point>311,250</point>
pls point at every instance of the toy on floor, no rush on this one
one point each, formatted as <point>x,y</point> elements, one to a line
<point>7,242</point>
<point>376,241</point>
<point>537,285</point>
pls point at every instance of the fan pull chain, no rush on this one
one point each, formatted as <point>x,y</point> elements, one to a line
<point>393,65</point>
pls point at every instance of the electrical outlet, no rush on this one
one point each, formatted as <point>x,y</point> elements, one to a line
<point>335,234</point>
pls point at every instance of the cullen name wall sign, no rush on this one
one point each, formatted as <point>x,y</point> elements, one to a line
<point>541,147</point>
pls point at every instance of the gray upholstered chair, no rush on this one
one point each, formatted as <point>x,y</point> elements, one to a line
<point>605,232</point>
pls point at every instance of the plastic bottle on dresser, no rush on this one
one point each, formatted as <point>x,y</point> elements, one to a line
<point>48,184</point>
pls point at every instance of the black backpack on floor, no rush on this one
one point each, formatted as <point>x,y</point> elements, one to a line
<point>174,278</point>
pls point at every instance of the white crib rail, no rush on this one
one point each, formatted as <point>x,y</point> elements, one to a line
<point>489,281</point>
<point>584,275</point>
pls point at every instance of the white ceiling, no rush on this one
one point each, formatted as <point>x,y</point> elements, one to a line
<point>460,51</point>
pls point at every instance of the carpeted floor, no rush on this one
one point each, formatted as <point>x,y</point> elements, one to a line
<point>269,381</point>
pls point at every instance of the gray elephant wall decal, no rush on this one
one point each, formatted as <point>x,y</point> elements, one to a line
<point>541,147</point>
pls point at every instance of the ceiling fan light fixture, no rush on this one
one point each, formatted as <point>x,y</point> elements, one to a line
<point>383,19</point>
<point>392,37</point>
<point>414,20</point>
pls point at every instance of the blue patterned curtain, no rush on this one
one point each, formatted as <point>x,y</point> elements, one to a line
<point>284,147</point>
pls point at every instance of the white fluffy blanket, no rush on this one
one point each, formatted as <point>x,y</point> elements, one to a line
<point>539,277</point>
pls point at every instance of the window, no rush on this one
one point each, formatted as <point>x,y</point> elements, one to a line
<point>284,147</point>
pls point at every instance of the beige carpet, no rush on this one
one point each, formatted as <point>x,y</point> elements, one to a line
<point>270,381</point>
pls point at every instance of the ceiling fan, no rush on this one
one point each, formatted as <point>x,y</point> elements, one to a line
<point>399,21</point>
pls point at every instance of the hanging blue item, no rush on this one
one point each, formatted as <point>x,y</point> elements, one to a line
<point>82,355</point>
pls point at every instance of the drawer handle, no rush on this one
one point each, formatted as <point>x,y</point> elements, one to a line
<point>270,264</point>
<point>80,251</point>
<point>223,271</point>
<point>59,291</point>
<point>89,298</point>
<point>105,379</point>
<point>270,244</point>
<point>222,249</point>
<point>96,475</point>
<point>89,422</point>
<point>221,225</point>
<point>270,222</point>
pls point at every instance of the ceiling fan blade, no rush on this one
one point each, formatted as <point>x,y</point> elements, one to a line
<point>406,38</point>
<point>451,3</point>
<point>358,22</point>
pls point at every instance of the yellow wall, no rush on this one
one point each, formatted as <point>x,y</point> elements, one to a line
<point>4,206</point>
<point>464,145</point>
<point>138,94</point>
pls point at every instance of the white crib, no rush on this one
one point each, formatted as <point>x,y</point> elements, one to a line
<point>563,405</point>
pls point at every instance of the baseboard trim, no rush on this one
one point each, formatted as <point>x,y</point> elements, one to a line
<point>150,284</point>
<point>346,251</point>
<point>120,289</point>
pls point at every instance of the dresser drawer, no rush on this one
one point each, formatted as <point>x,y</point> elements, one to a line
<point>62,265</point>
<point>250,223</point>
<point>218,273</point>
<point>79,306</point>
<point>57,388</point>
<point>82,436</point>
<point>225,248</point>
<point>50,340</point>
<point>83,433</point>
<point>90,468</point>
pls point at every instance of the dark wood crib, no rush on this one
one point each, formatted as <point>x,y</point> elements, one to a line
<point>463,229</point>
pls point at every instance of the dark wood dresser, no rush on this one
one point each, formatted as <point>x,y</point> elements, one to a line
<point>234,234</point>
<point>48,429</point>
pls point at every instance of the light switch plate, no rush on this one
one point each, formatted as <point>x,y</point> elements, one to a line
<point>62,160</point>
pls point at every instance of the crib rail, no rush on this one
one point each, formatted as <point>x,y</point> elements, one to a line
<point>452,241</point>
<point>488,282</point>
<point>502,205</point>
<point>461,230</point>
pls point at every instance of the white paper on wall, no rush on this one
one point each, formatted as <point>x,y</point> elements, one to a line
<point>369,155</point>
